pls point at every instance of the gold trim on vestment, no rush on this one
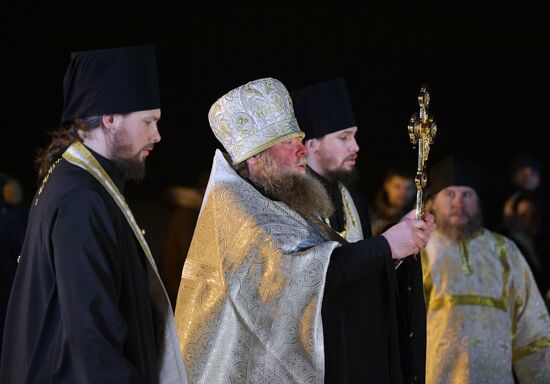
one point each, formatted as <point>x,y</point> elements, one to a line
<point>448,301</point>
<point>465,256</point>
<point>531,348</point>
<point>77,154</point>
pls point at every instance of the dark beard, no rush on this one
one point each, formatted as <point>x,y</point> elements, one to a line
<point>132,168</point>
<point>462,232</point>
<point>301,192</point>
<point>348,178</point>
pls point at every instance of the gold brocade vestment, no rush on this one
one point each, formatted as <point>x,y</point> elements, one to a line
<point>249,302</point>
<point>485,313</point>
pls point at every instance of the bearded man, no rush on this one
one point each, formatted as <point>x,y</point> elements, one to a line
<point>325,113</point>
<point>262,260</point>
<point>486,319</point>
<point>87,304</point>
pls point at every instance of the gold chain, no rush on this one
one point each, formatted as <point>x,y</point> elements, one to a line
<point>45,180</point>
<point>347,206</point>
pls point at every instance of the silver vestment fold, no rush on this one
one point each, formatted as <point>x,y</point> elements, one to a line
<point>249,302</point>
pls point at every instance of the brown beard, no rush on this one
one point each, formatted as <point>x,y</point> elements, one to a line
<point>301,192</point>
<point>459,232</point>
<point>349,178</point>
<point>132,168</point>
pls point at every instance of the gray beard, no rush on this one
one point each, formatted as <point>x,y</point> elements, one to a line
<point>300,192</point>
<point>460,232</point>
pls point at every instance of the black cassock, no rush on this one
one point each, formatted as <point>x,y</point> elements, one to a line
<point>374,318</point>
<point>80,308</point>
<point>13,223</point>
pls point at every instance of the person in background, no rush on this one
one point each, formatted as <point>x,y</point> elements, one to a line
<point>13,223</point>
<point>522,223</point>
<point>394,200</point>
<point>486,318</point>
<point>186,204</point>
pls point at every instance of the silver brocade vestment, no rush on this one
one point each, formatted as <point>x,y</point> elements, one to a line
<point>249,302</point>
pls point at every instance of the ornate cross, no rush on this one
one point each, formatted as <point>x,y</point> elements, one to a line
<point>422,129</point>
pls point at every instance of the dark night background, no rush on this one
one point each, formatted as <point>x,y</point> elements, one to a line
<point>486,67</point>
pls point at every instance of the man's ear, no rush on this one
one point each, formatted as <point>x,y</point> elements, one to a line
<point>312,145</point>
<point>108,122</point>
<point>251,162</point>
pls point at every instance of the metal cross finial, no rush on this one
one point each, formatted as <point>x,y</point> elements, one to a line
<point>422,130</point>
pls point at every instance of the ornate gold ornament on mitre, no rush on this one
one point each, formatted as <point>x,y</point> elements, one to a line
<point>253,117</point>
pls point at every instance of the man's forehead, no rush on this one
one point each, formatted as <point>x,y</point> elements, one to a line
<point>346,131</point>
<point>149,114</point>
<point>458,188</point>
<point>283,144</point>
<point>395,178</point>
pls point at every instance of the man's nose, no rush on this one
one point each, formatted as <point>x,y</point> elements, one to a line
<point>354,147</point>
<point>301,149</point>
<point>156,135</point>
<point>458,201</point>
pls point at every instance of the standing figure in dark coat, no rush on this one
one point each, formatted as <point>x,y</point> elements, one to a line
<point>87,304</point>
<point>393,200</point>
<point>13,221</point>
<point>186,202</point>
<point>354,339</point>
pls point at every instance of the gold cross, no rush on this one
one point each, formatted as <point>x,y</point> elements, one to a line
<point>422,129</point>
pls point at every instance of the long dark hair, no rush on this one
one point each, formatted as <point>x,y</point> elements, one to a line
<point>61,139</point>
